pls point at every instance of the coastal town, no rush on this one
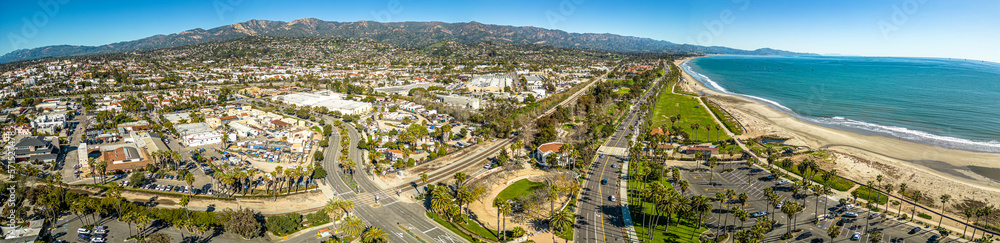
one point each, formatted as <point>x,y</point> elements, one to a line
<point>306,139</point>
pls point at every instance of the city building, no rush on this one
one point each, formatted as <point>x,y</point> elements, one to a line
<point>460,101</point>
<point>490,83</point>
<point>332,102</point>
<point>37,149</point>
<point>197,134</point>
<point>126,158</point>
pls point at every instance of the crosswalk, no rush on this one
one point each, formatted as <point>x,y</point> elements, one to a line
<point>370,198</point>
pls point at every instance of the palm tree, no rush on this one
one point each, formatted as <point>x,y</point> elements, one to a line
<point>184,202</point>
<point>743,197</point>
<point>916,199</point>
<point>353,226</point>
<point>460,177</point>
<point>790,208</point>
<point>711,165</point>
<point>700,206</point>
<point>741,215</point>
<point>423,178</point>
<point>684,185</point>
<point>694,129</point>
<point>465,196</point>
<point>440,200</point>
<point>561,220</point>
<point>968,213</point>
<point>719,197</point>
<point>888,189</point>
<point>374,235</point>
<point>346,206</point>
<point>505,209</point>
<point>902,193</point>
<point>944,201</point>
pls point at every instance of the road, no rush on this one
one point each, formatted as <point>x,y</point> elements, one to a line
<point>599,219</point>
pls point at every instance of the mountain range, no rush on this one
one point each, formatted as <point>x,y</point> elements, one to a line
<point>404,34</point>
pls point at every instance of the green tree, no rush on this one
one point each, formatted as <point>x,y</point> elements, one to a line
<point>374,235</point>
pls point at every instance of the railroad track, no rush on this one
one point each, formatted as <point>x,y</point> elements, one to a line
<point>444,174</point>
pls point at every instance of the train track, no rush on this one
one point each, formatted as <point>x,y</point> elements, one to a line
<point>444,174</point>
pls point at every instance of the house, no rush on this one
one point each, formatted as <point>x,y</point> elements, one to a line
<point>36,149</point>
<point>279,124</point>
<point>658,131</point>
<point>394,154</point>
<point>197,134</point>
<point>548,150</point>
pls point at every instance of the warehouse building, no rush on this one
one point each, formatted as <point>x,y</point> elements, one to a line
<point>332,101</point>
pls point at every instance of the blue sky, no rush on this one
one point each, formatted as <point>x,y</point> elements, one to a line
<point>923,28</point>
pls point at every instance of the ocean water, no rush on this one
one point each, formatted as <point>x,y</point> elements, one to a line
<point>945,102</point>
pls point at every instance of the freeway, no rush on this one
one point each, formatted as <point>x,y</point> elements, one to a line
<point>599,216</point>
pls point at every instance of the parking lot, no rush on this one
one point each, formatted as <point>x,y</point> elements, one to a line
<point>829,210</point>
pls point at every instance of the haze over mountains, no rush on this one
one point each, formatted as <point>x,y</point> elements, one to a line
<point>405,34</point>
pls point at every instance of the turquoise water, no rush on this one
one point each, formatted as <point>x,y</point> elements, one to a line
<point>944,102</point>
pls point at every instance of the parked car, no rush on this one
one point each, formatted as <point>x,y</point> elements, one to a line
<point>915,230</point>
<point>850,215</point>
<point>856,236</point>
<point>807,234</point>
<point>759,214</point>
<point>97,239</point>
<point>85,236</point>
<point>100,232</point>
<point>604,181</point>
<point>83,231</point>
<point>612,198</point>
<point>782,182</point>
<point>779,205</point>
<point>874,215</point>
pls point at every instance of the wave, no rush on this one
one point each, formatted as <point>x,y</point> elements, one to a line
<point>843,123</point>
<point>908,134</point>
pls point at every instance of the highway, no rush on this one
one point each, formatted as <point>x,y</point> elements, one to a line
<point>599,219</point>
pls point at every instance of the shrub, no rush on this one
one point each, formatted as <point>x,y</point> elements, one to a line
<point>924,215</point>
<point>283,224</point>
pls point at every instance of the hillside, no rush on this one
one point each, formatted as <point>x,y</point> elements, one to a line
<point>404,34</point>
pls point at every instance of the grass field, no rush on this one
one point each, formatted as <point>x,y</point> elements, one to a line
<point>863,193</point>
<point>470,226</point>
<point>517,189</point>
<point>691,111</point>
<point>681,229</point>
<point>623,91</point>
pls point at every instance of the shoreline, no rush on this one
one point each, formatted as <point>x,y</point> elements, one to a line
<point>920,165</point>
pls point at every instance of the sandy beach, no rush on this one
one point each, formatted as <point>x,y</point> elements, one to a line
<point>932,170</point>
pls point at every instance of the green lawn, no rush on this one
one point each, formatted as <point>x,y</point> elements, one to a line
<point>519,188</point>
<point>623,91</point>
<point>681,228</point>
<point>450,226</point>
<point>836,183</point>
<point>863,193</point>
<point>691,111</point>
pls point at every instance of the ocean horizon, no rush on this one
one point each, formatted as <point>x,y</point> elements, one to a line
<point>950,103</point>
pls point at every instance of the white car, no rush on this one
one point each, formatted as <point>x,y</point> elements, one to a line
<point>782,182</point>
<point>83,231</point>
<point>97,239</point>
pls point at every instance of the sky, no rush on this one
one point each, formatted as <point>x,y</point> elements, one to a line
<point>968,29</point>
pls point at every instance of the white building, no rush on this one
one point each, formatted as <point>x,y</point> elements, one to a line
<point>490,83</point>
<point>198,134</point>
<point>242,130</point>
<point>460,101</point>
<point>49,120</point>
<point>332,101</point>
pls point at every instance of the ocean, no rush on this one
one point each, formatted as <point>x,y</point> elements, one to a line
<point>944,102</point>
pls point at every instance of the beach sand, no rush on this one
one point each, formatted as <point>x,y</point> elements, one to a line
<point>931,169</point>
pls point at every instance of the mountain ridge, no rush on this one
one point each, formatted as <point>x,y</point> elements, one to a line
<point>411,34</point>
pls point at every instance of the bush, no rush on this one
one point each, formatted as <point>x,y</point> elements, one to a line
<point>284,224</point>
<point>924,215</point>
